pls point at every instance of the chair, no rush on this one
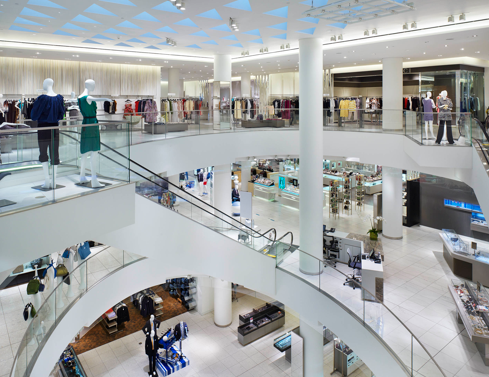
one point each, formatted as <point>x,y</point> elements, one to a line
<point>332,250</point>
<point>356,264</point>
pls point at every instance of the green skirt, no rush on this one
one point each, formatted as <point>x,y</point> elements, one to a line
<point>90,139</point>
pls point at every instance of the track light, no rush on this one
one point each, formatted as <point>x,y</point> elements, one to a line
<point>451,19</point>
<point>263,50</point>
<point>405,26</point>
<point>374,31</point>
<point>171,42</point>
<point>233,24</point>
<point>183,6</point>
<point>245,53</point>
<point>461,17</point>
<point>414,25</point>
<point>287,45</point>
<point>366,33</point>
<point>340,37</point>
<point>333,38</point>
<point>178,3</point>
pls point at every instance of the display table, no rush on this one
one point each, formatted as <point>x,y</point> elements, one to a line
<point>461,259</point>
<point>275,123</point>
<point>260,322</point>
<point>162,128</point>
<point>372,280</point>
<point>373,187</point>
<point>476,322</point>
<point>345,360</point>
<point>264,192</point>
<point>292,199</point>
<point>69,364</point>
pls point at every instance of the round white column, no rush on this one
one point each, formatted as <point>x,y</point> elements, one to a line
<point>246,84</point>
<point>174,85</point>
<point>311,154</point>
<point>223,311</point>
<point>392,82</point>
<point>245,174</point>
<point>392,202</point>
<point>222,189</point>
<point>313,350</point>
<point>222,68</point>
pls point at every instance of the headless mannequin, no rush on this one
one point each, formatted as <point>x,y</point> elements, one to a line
<point>152,350</point>
<point>59,280</point>
<point>68,262</point>
<point>90,87</point>
<point>205,183</point>
<point>47,85</point>
<point>36,299</point>
<point>83,273</point>
<point>429,122</point>
<point>52,298</point>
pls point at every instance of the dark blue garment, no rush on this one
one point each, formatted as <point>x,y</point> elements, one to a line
<point>48,109</point>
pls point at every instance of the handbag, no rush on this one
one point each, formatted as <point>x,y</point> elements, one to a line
<point>33,311</point>
<point>26,311</point>
<point>66,254</point>
<point>33,286</point>
<point>61,270</point>
<point>37,262</point>
<point>41,287</point>
<point>66,280</point>
<point>84,250</point>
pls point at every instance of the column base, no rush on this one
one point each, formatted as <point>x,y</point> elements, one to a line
<point>310,273</point>
<point>224,325</point>
<point>392,238</point>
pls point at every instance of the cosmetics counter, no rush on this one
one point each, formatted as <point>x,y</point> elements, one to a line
<point>290,196</point>
<point>70,365</point>
<point>264,188</point>
<point>472,302</point>
<point>260,322</point>
<point>467,257</point>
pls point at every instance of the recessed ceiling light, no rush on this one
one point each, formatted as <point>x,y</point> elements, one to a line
<point>424,53</point>
<point>440,56</point>
<point>446,45</point>
<point>477,52</point>
<point>474,36</point>
<point>408,58</point>
<point>110,58</point>
<point>386,46</point>
<point>38,53</point>
<point>344,57</point>
<point>462,49</point>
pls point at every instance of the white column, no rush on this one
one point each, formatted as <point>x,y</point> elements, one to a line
<point>205,294</point>
<point>313,349</point>
<point>246,84</point>
<point>223,311</point>
<point>486,88</point>
<point>245,175</point>
<point>311,154</point>
<point>222,68</point>
<point>392,202</point>
<point>174,82</point>
<point>222,189</point>
<point>392,78</point>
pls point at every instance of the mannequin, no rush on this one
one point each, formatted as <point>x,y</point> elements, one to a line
<point>200,180</point>
<point>151,325</point>
<point>48,110</point>
<point>445,117</point>
<point>428,106</point>
<point>151,348</point>
<point>83,273</point>
<point>59,283</point>
<point>50,275</point>
<point>69,262</point>
<point>90,136</point>
<point>205,183</point>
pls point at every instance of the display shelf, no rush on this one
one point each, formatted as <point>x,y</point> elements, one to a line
<point>260,322</point>
<point>359,192</point>
<point>158,305</point>
<point>334,198</point>
<point>110,325</point>
<point>411,203</point>
<point>347,206</point>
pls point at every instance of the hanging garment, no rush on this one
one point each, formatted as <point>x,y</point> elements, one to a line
<point>90,136</point>
<point>151,111</point>
<point>344,104</point>
<point>128,110</point>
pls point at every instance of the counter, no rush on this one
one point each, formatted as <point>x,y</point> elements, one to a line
<point>260,322</point>
<point>70,365</point>
<point>373,187</point>
<point>292,199</point>
<point>461,259</point>
<point>327,178</point>
<point>264,192</point>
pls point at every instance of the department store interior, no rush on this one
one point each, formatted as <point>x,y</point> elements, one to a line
<point>244,188</point>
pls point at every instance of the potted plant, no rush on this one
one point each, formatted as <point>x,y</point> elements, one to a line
<point>373,232</point>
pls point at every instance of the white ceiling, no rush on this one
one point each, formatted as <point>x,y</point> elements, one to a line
<point>426,42</point>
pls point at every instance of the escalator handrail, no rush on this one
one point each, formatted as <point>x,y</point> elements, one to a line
<point>291,238</point>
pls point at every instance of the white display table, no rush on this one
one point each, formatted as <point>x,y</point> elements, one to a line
<point>265,192</point>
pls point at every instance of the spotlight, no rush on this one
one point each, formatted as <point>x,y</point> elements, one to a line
<point>282,47</point>
<point>414,25</point>
<point>461,17</point>
<point>183,6</point>
<point>366,33</point>
<point>333,38</point>
<point>451,19</point>
<point>405,26</point>
<point>340,37</point>
<point>287,45</point>
<point>374,32</point>
<point>178,3</point>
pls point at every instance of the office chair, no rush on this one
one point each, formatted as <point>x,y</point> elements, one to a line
<point>356,264</point>
<point>331,250</point>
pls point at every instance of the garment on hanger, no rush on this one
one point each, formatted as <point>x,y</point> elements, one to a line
<point>90,136</point>
<point>151,111</point>
<point>122,313</point>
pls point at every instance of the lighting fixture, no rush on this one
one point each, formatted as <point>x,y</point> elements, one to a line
<point>366,33</point>
<point>287,45</point>
<point>171,42</point>
<point>405,26</point>
<point>461,17</point>
<point>374,31</point>
<point>183,6</point>
<point>263,50</point>
<point>333,38</point>
<point>474,36</point>
<point>233,24</point>
<point>245,53</point>
<point>451,19</point>
<point>178,3</point>
<point>477,52</point>
<point>340,37</point>
<point>462,49</point>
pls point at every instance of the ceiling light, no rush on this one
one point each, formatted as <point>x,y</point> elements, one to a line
<point>474,36</point>
<point>446,45</point>
<point>405,26</point>
<point>462,49</point>
<point>333,38</point>
<point>477,52</point>
<point>440,56</point>
<point>183,6</point>
<point>461,17</point>
<point>344,57</point>
<point>451,19</point>
<point>414,25</point>
<point>374,32</point>
<point>366,33</point>
<point>424,53</point>
<point>340,37</point>
<point>178,3</point>
<point>38,53</point>
<point>386,46</point>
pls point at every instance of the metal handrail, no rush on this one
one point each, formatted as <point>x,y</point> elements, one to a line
<point>380,302</point>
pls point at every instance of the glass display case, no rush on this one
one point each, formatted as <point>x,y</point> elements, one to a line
<point>456,243</point>
<point>283,342</point>
<point>70,365</point>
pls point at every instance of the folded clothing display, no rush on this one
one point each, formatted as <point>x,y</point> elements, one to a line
<point>176,363</point>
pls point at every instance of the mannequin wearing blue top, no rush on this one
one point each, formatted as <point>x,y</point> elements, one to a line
<point>48,109</point>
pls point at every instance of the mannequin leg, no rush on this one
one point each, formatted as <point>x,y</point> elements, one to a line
<point>47,179</point>
<point>426,129</point>
<point>431,130</point>
<point>59,294</point>
<point>83,165</point>
<point>441,129</point>
<point>83,276</point>
<point>449,132</point>
<point>93,163</point>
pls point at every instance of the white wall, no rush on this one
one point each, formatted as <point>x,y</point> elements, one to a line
<point>33,233</point>
<point>164,89</point>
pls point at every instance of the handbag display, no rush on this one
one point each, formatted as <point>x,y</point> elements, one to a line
<point>33,286</point>
<point>84,250</point>
<point>61,270</point>
<point>41,287</point>
<point>37,262</point>
<point>66,254</point>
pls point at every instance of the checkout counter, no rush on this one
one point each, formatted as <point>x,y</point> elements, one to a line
<point>260,322</point>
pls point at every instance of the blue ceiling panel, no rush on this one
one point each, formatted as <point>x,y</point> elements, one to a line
<point>122,2</point>
<point>122,45</point>
<point>240,4</point>
<point>33,13</point>
<point>230,38</point>
<point>167,6</point>
<point>166,29</point>
<point>310,19</point>
<point>153,48</point>
<point>135,40</point>
<point>20,20</point>
<point>100,36</point>
<point>97,9</point>
<point>200,33</point>
<point>194,46</point>
<point>150,35</point>
<point>282,26</point>
<point>340,25</point>
<point>223,27</point>
<point>237,45</point>
<point>129,24</point>
<point>186,22</point>
<point>82,18</point>
<point>211,14</point>
<point>45,3</point>
<point>317,3</point>
<point>259,40</point>
<point>65,33</point>
<point>73,27</point>
<point>114,31</point>
<point>145,16</point>
<point>90,41</point>
<point>280,36</point>
<point>211,42</point>
<point>253,32</point>
<point>280,12</point>
<point>20,28</point>
<point>307,31</point>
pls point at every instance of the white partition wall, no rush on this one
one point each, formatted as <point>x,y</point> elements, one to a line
<point>392,202</point>
<point>392,91</point>
<point>174,82</point>
<point>245,84</point>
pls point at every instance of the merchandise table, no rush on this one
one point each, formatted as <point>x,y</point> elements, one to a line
<point>70,365</point>
<point>265,192</point>
<point>461,259</point>
<point>260,322</point>
<point>292,199</point>
<point>472,306</point>
<point>373,187</point>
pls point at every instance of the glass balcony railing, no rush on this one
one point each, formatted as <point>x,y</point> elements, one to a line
<point>95,268</point>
